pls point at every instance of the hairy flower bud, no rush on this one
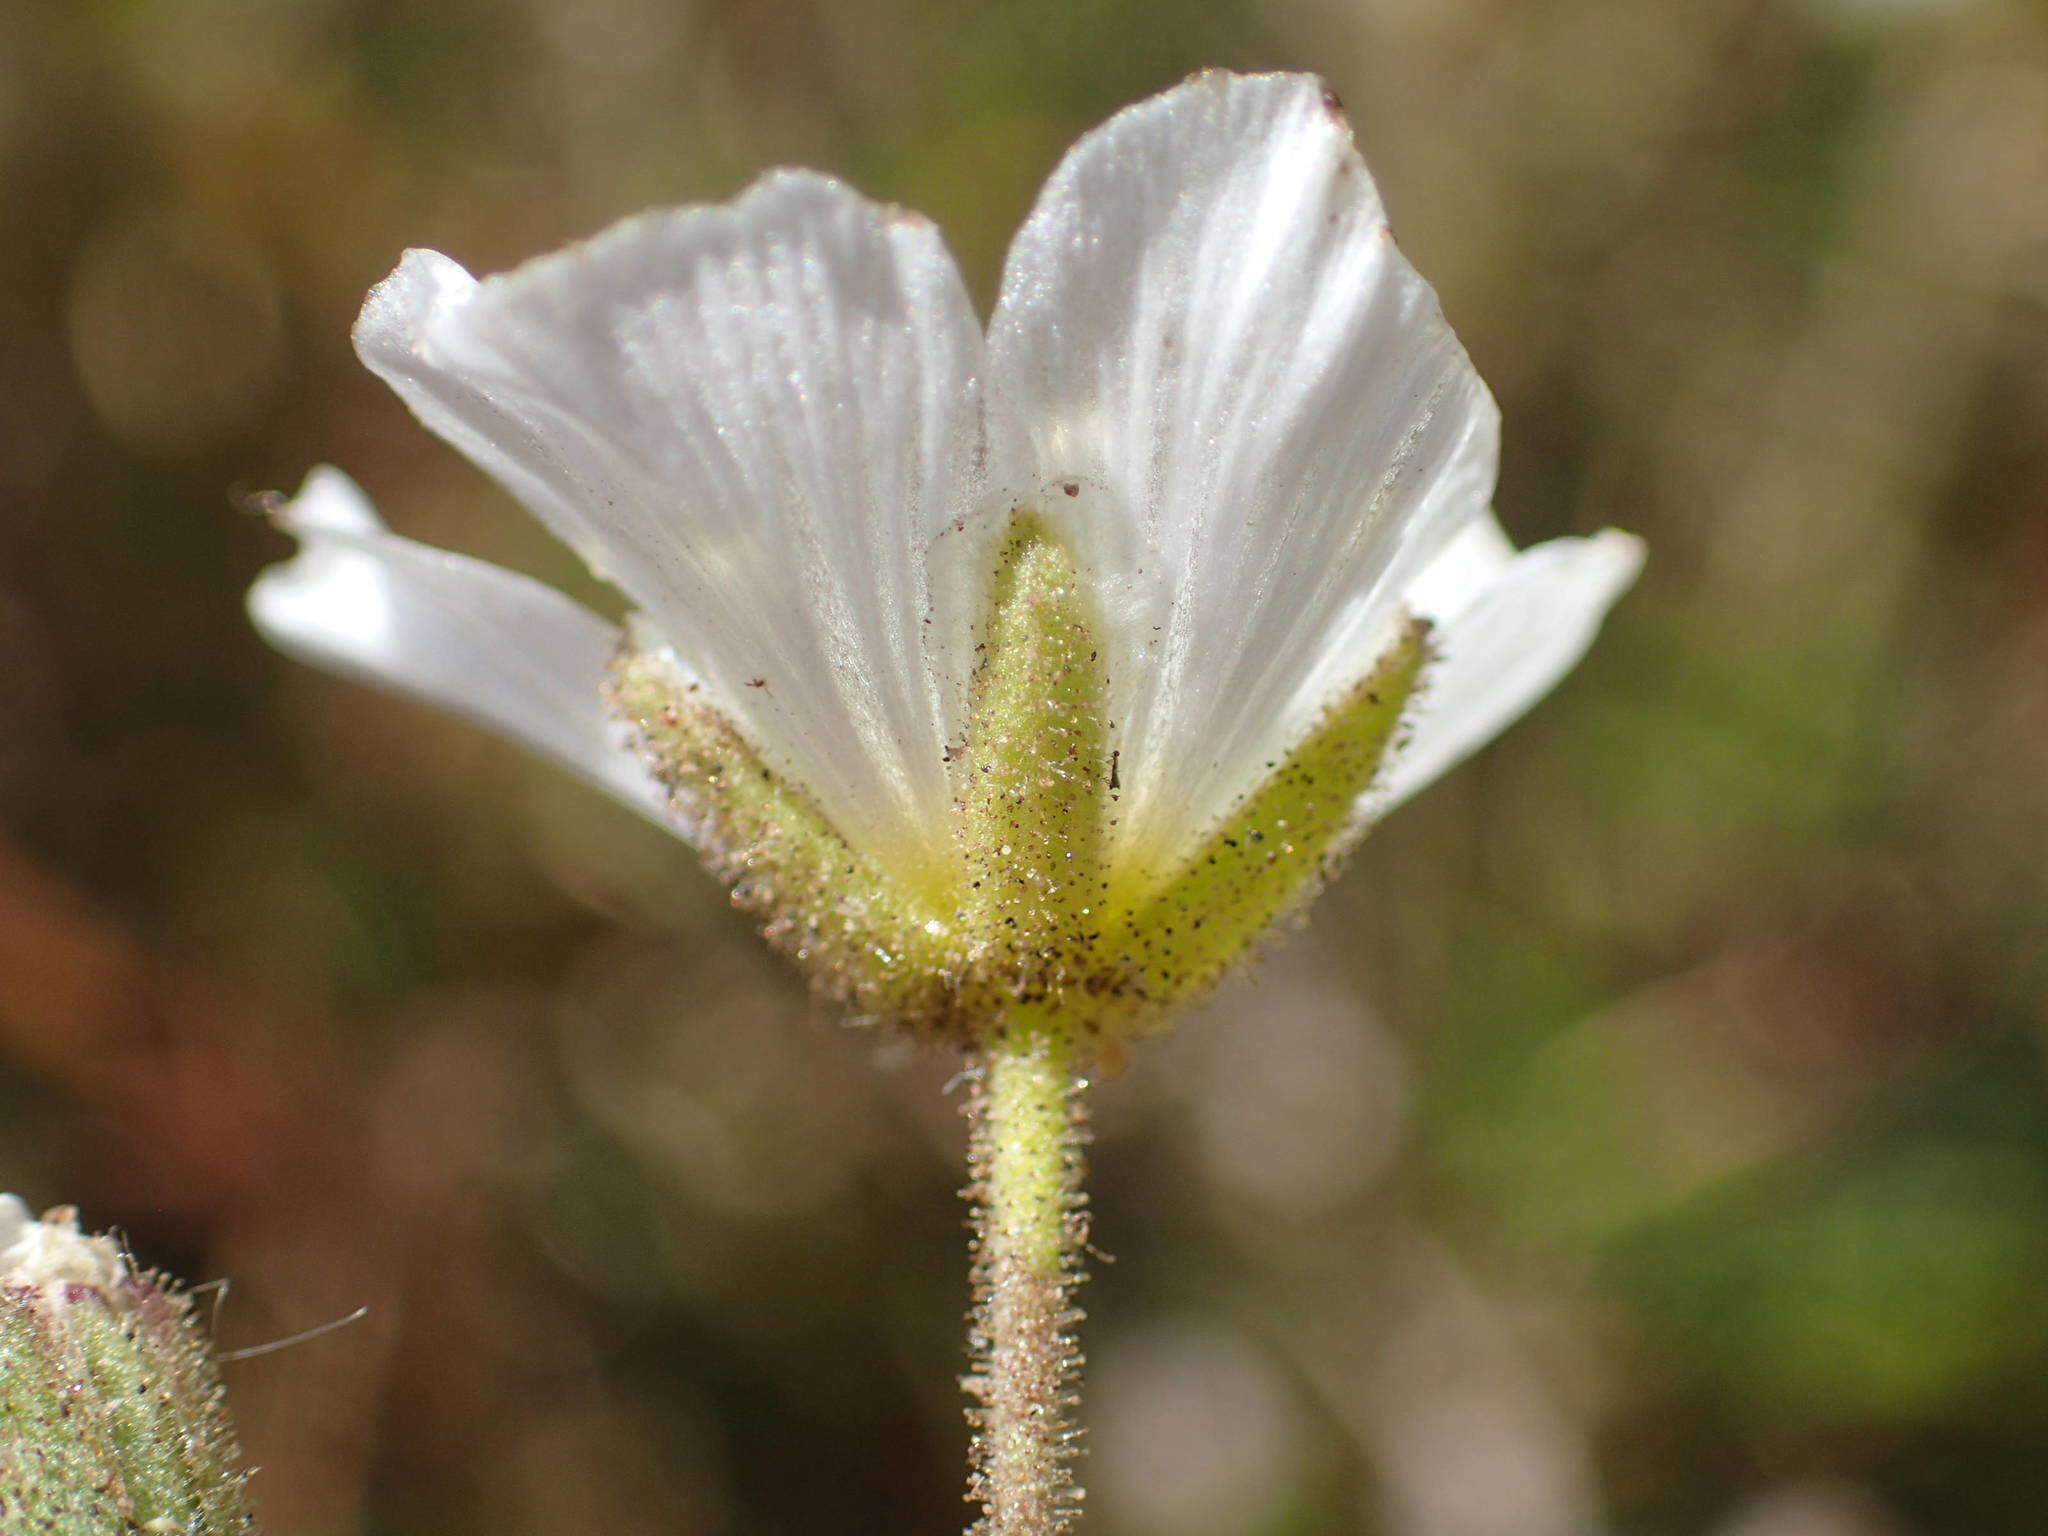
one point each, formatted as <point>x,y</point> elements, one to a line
<point>112,1419</point>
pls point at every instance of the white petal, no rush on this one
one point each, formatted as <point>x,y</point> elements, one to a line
<point>15,1220</point>
<point>1478,557</point>
<point>1508,629</point>
<point>483,642</point>
<point>756,419</point>
<point>54,1252</point>
<point>1267,425</point>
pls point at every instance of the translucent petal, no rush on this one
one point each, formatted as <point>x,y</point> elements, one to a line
<point>1248,413</point>
<point>1508,628</point>
<point>15,1220</point>
<point>1478,557</point>
<point>496,647</point>
<point>757,419</point>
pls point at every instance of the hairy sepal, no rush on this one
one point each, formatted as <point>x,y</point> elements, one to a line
<point>1278,847</point>
<point>863,935</point>
<point>1031,913</point>
<point>1034,811</point>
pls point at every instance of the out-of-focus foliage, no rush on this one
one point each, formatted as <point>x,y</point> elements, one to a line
<point>1649,1134</point>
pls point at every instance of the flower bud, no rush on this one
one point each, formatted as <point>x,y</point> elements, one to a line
<point>112,1419</point>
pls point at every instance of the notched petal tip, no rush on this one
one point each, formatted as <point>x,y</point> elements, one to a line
<point>1228,90</point>
<point>299,597</point>
<point>327,501</point>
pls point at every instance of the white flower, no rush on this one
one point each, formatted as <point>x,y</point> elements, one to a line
<point>778,426</point>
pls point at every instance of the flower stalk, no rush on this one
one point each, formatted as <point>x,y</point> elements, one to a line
<point>1027,1117</point>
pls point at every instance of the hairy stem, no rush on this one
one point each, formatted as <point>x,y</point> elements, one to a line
<point>1027,1130</point>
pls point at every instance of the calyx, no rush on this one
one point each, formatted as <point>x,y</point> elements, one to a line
<point>1034,911</point>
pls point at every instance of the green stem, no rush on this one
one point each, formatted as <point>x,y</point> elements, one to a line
<point>1027,1130</point>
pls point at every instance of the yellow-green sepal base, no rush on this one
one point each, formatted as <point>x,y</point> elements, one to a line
<point>1036,908</point>
<point>864,939</point>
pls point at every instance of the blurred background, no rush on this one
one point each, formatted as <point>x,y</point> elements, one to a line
<point>1648,1135</point>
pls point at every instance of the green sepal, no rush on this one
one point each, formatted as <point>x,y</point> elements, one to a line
<point>1032,910</point>
<point>1033,807</point>
<point>866,941</point>
<point>1278,846</point>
